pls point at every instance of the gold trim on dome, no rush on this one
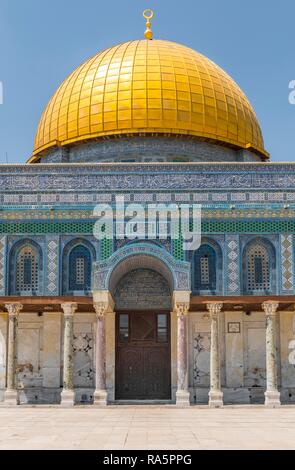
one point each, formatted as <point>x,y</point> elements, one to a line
<point>144,87</point>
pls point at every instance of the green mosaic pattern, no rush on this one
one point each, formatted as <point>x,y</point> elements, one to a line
<point>106,248</point>
<point>208,226</point>
<point>39,228</point>
<point>178,252</point>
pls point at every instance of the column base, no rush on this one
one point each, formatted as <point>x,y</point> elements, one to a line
<point>182,398</point>
<point>100,398</point>
<point>215,399</point>
<point>10,398</point>
<point>272,398</point>
<point>67,398</point>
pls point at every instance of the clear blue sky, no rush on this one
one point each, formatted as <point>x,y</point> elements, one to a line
<point>43,41</point>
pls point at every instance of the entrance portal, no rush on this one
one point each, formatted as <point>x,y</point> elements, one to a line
<point>143,365</point>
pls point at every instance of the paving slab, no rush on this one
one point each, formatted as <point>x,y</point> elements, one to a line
<point>147,428</point>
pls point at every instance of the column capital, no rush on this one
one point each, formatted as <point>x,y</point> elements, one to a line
<point>69,308</point>
<point>14,309</point>
<point>100,309</point>
<point>214,308</point>
<point>270,307</point>
<point>103,299</point>
<point>182,309</point>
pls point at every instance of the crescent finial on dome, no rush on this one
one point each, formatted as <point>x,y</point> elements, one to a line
<point>148,15</point>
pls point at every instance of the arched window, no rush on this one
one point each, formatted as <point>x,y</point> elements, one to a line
<point>204,269</point>
<point>27,270</point>
<point>258,268</point>
<point>80,269</point>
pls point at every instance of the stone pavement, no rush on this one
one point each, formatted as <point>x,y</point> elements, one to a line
<point>147,428</point>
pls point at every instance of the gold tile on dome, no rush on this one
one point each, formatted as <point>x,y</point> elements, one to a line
<point>151,86</point>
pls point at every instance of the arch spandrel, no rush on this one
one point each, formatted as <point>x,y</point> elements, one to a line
<point>108,273</point>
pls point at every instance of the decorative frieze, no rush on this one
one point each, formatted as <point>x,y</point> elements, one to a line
<point>227,196</point>
<point>219,197</point>
<point>233,265</point>
<point>30,198</point>
<point>194,176</point>
<point>208,226</point>
<point>52,265</point>
<point>287,263</point>
<point>257,196</point>
<point>48,198</point>
<point>3,245</point>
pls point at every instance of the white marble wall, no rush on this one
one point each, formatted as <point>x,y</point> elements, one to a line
<point>243,356</point>
<point>242,352</point>
<point>29,356</point>
<point>84,354</point>
<point>52,334</point>
<point>287,337</point>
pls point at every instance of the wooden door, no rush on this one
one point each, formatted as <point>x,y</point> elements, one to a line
<point>143,366</point>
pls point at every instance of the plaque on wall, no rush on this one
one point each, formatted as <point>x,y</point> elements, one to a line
<point>234,327</point>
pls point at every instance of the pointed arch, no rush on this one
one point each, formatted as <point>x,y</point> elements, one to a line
<point>207,268</point>
<point>78,257</point>
<point>26,268</point>
<point>259,267</point>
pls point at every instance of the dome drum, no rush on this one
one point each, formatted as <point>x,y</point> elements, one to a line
<point>149,148</point>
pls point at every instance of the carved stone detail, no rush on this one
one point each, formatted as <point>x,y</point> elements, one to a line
<point>214,308</point>
<point>69,308</point>
<point>100,309</point>
<point>14,309</point>
<point>182,308</point>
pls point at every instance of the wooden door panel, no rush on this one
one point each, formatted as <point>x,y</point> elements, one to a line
<point>143,327</point>
<point>130,373</point>
<point>157,373</point>
<point>143,366</point>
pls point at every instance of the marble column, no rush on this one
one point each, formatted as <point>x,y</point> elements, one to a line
<point>10,395</point>
<point>100,395</point>
<point>272,394</point>
<point>68,393</point>
<point>215,394</point>
<point>182,393</point>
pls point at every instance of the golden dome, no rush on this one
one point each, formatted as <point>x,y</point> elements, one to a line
<point>141,87</point>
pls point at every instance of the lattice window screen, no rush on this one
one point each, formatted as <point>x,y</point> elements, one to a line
<point>258,268</point>
<point>204,268</point>
<point>204,265</point>
<point>27,265</point>
<point>80,269</point>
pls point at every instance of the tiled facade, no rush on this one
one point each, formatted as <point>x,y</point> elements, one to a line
<point>52,207</point>
<point>62,203</point>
